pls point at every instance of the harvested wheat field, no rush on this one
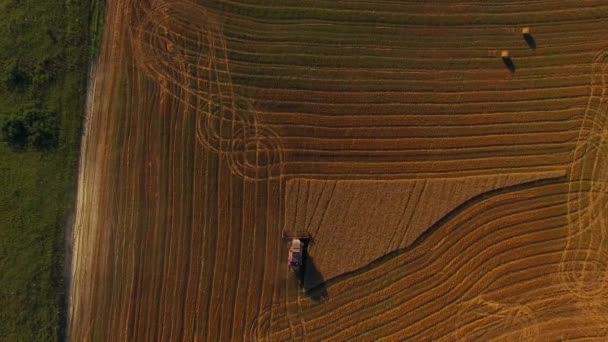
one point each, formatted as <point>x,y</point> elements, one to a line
<point>450,166</point>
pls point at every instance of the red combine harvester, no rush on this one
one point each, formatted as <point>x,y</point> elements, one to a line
<point>297,248</point>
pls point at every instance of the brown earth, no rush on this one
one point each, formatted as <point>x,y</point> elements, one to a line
<point>450,198</point>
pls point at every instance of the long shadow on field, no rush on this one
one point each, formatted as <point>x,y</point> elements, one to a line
<point>530,40</point>
<point>312,281</point>
<point>509,63</point>
<point>322,287</point>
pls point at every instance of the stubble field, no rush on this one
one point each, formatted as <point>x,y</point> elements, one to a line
<point>449,197</point>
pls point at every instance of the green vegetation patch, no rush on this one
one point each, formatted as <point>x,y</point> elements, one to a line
<point>45,48</point>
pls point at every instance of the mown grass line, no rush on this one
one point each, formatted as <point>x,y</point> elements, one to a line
<point>50,42</point>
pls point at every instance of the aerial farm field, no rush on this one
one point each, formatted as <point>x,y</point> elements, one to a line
<point>450,166</point>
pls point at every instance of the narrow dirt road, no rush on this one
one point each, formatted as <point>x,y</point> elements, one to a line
<point>69,229</point>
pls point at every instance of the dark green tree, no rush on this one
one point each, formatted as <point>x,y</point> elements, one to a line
<point>43,129</point>
<point>35,129</point>
<point>15,133</point>
<point>17,79</point>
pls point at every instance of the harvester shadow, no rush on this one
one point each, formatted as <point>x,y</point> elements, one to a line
<point>530,40</point>
<point>312,281</point>
<point>509,63</point>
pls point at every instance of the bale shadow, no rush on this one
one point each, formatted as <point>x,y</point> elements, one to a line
<point>509,63</point>
<point>530,40</point>
<point>312,281</point>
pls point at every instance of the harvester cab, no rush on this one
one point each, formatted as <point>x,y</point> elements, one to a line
<point>297,249</point>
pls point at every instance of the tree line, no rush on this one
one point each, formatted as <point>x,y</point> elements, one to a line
<point>32,129</point>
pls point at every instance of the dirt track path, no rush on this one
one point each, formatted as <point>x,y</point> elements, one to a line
<point>69,231</point>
